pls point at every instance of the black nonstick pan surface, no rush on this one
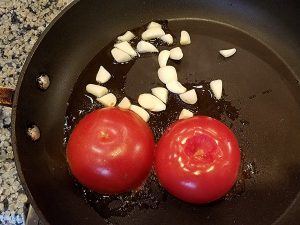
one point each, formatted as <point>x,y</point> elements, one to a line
<point>261,105</point>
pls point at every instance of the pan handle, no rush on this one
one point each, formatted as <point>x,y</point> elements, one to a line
<point>6,96</point>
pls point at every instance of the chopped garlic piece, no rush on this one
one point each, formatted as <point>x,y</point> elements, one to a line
<point>127,36</point>
<point>96,90</point>
<point>189,97</point>
<point>176,53</point>
<point>185,38</point>
<point>103,75</point>
<point>167,38</point>
<point>185,114</point>
<point>151,102</point>
<point>154,24</point>
<point>216,87</point>
<point>108,100</point>
<point>120,56</point>
<point>152,33</point>
<point>124,103</point>
<point>163,58</point>
<point>140,112</point>
<point>176,87</point>
<point>228,52</point>
<point>161,93</point>
<point>126,47</point>
<point>167,74</point>
<point>143,47</point>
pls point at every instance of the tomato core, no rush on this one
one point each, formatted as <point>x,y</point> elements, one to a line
<point>202,148</point>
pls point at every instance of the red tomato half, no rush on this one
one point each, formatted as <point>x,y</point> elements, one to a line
<point>111,151</point>
<point>198,159</point>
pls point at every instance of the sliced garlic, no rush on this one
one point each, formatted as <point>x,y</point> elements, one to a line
<point>127,36</point>
<point>216,87</point>
<point>143,47</point>
<point>124,103</point>
<point>151,102</point>
<point>103,75</point>
<point>185,38</point>
<point>176,53</point>
<point>126,47</point>
<point>189,97</point>
<point>154,24</point>
<point>185,114</point>
<point>140,112</point>
<point>163,57</point>
<point>161,93</point>
<point>152,33</point>
<point>228,52</point>
<point>108,100</point>
<point>96,90</point>
<point>120,56</point>
<point>167,38</point>
<point>167,74</point>
<point>176,87</point>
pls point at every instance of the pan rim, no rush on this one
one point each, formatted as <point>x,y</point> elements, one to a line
<point>15,107</point>
<point>28,60</point>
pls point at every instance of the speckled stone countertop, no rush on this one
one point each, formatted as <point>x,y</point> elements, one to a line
<point>21,23</point>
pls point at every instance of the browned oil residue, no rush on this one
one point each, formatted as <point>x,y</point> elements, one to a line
<point>244,122</point>
<point>248,171</point>
<point>148,197</point>
<point>252,97</point>
<point>266,91</point>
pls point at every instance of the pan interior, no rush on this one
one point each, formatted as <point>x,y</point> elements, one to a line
<point>261,105</point>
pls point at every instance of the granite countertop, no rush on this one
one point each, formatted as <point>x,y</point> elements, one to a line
<point>21,23</point>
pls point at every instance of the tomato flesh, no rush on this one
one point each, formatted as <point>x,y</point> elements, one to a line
<point>198,159</point>
<point>111,151</point>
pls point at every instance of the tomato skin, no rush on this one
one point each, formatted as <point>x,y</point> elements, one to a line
<point>111,151</point>
<point>197,159</point>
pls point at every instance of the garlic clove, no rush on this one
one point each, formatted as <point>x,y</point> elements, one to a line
<point>167,38</point>
<point>127,36</point>
<point>189,97</point>
<point>185,38</point>
<point>103,75</point>
<point>176,53</point>
<point>154,25</point>
<point>152,33</point>
<point>120,56</point>
<point>143,47</point>
<point>228,52</point>
<point>167,74</point>
<point>96,90</point>
<point>126,47</point>
<point>163,57</point>
<point>161,93</point>
<point>176,87</point>
<point>185,114</point>
<point>140,112</point>
<point>124,103</point>
<point>216,87</point>
<point>108,100</point>
<point>151,102</point>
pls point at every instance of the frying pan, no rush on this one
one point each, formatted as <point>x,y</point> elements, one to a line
<point>261,80</point>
